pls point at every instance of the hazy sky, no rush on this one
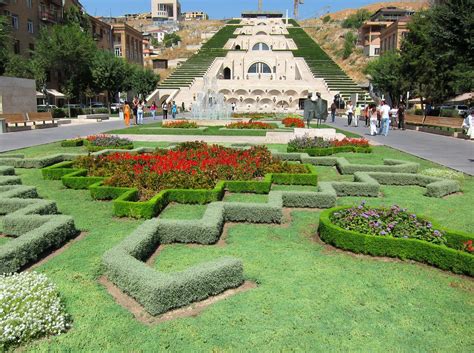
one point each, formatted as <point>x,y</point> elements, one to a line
<point>222,8</point>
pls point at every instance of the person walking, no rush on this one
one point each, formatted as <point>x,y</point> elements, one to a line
<point>183,108</point>
<point>153,109</point>
<point>385,118</point>
<point>164,107</point>
<point>140,112</point>
<point>333,111</point>
<point>401,116</point>
<point>126,113</point>
<point>358,112</point>
<point>394,118</point>
<point>135,109</point>
<point>367,115</point>
<point>350,113</point>
<point>174,110</point>
<point>233,107</point>
<point>468,124</point>
<point>373,117</point>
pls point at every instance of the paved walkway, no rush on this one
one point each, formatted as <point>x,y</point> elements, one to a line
<point>451,152</point>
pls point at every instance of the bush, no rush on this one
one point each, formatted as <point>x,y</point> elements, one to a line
<point>451,256</point>
<point>252,125</point>
<point>72,143</point>
<point>444,174</point>
<point>59,113</point>
<point>293,122</point>
<point>356,20</point>
<point>108,141</point>
<point>30,308</point>
<point>450,113</point>
<point>326,19</point>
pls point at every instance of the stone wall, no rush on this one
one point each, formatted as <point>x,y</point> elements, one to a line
<point>17,95</point>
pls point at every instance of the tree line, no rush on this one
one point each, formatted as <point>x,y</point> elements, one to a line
<point>69,49</point>
<point>436,58</point>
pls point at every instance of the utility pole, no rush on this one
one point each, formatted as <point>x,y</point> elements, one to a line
<point>260,5</point>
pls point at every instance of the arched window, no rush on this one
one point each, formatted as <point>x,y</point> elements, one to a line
<point>261,33</point>
<point>237,47</point>
<point>261,24</point>
<point>260,68</point>
<point>261,46</point>
<point>227,73</point>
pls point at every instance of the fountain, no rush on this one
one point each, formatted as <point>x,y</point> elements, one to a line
<point>209,104</point>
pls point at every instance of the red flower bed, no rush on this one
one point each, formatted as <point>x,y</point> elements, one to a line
<point>190,166</point>
<point>180,124</point>
<point>361,142</point>
<point>254,125</point>
<point>293,122</point>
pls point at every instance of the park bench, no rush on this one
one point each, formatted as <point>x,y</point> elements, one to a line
<point>435,124</point>
<point>46,118</point>
<point>14,122</point>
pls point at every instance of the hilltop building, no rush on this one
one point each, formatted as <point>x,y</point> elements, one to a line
<point>165,10</point>
<point>371,31</point>
<point>195,15</point>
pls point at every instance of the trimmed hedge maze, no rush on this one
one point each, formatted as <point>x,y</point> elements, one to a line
<point>450,257</point>
<point>328,151</point>
<point>33,224</point>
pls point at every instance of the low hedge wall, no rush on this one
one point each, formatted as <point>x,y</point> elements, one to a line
<point>445,257</point>
<point>34,223</point>
<point>314,151</point>
<point>72,143</point>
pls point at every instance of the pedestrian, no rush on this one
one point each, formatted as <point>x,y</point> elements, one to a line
<point>367,115</point>
<point>126,112</point>
<point>384,110</point>
<point>333,111</point>
<point>468,124</point>
<point>183,108</point>
<point>153,110</point>
<point>233,107</point>
<point>174,110</point>
<point>350,113</point>
<point>373,117</point>
<point>394,118</point>
<point>140,112</point>
<point>135,109</point>
<point>401,116</point>
<point>358,112</point>
<point>164,107</point>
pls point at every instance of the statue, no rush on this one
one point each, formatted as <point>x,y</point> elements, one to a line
<point>321,109</point>
<point>309,109</point>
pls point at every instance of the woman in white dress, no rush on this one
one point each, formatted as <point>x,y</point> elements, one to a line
<point>373,113</point>
<point>468,124</point>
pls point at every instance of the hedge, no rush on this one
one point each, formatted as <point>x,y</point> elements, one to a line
<point>34,223</point>
<point>72,143</point>
<point>92,148</point>
<point>327,151</point>
<point>448,257</point>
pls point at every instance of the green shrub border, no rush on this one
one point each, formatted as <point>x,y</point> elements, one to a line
<point>448,257</point>
<point>72,143</point>
<point>33,222</point>
<point>327,151</point>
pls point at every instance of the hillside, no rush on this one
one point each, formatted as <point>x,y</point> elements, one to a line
<point>330,36</point>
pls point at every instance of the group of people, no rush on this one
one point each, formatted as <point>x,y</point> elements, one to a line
<point>380,118</point>
<point>135,111</point>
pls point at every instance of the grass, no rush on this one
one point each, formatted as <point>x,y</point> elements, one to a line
<point>308,298</point>
<point>252,198</point>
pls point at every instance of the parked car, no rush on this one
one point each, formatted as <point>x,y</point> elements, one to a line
<point>461,109</point>
<point>115,107</point>
<point>72,106</point>
<point>98,105</point>
<point>44,108</point>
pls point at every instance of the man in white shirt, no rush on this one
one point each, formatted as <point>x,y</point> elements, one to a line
<point>384,111</point>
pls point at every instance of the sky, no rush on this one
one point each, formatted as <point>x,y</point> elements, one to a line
<point>218,9</point>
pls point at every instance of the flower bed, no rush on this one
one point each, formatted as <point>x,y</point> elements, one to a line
<point>189,166</point>
<point>395,233</point>
<point>293,122</point>
<point>317,146</point>
<point>252,125</point>
<point>181,124</point>
<point>254,116</point>
<point>30,308</point>
<point>96,143</point>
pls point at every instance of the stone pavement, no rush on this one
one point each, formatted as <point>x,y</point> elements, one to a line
<point>451,152</point>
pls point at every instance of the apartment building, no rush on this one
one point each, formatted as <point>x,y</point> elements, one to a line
<point>127,43</point>
<point>102,34</point>
<point>195,15</point>
<point>391,36</point>
<point>371,30</point>
<point>165,10</point>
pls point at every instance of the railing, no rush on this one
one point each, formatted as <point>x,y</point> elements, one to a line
<point>49,16</point>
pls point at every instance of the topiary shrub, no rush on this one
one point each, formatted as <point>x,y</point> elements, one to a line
<point>30,308</point>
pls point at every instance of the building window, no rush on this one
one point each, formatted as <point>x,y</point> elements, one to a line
<point>261,33</point>
<point>261,46</point>
<point>30,27</point>
<point>15,21</point>
<point>118,51</point>
<point>29,3</point>
<point>16,47</point>
<point>377,51</point>
<point>260,68</point>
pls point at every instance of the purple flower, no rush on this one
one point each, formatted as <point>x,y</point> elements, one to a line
<point>436,233</point>
<point>429,225</point>
<point>364,215</point>
<point>383,233</point>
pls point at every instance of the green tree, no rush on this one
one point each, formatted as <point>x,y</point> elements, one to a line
<point>19,66</point>
<point>356,20</point>
<point>170,39</point>
<point>69,50</point>
<point>109,74</point>
<point>144,81</point>
<point>5,42</point>
<point>350,40</point>
<point>74,16</point>
<point>326,19</point>
<point>386,76</point>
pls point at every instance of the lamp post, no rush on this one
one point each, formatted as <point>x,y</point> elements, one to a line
<point>45,95</point>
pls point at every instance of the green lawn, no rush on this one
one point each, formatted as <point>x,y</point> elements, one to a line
<point>309,298</point>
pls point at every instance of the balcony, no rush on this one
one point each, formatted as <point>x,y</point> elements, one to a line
<point>48,16</point>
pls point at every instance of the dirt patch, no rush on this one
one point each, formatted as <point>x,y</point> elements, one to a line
<point>51,254</point>
<point>192,310</point>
